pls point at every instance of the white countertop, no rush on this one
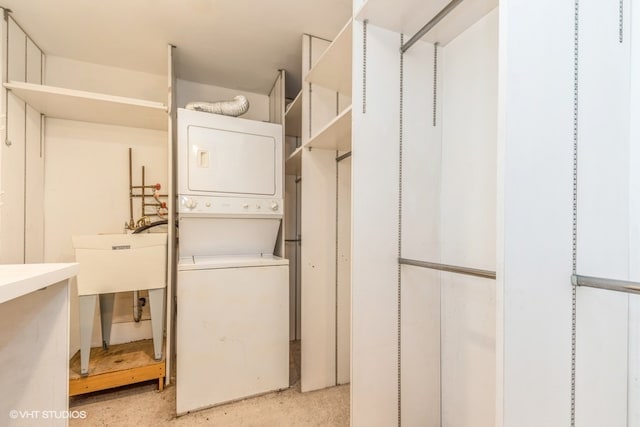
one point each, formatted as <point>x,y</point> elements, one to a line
<point>17,280</point>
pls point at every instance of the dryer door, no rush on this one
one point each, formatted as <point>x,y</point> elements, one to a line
<point>233,163</point>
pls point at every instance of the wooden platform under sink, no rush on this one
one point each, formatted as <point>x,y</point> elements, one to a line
<point>121,364</point>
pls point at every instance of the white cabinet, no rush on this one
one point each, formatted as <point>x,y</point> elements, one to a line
<point>34,342</point>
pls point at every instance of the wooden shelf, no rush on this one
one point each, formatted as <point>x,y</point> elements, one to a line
<point>333,68</point>
<point>293,117</point>
<point>84,106</point>
<point>336,135</point>
<point>293,162</point>
<point>408,16</point>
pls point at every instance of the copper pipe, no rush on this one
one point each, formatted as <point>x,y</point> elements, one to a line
<point>131,222</point>
<point>142,187</point>
<point>154,186</point>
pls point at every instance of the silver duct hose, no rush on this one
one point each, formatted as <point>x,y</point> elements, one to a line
<point>236,107</point>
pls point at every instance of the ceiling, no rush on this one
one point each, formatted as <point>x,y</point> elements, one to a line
<point>239,44</point>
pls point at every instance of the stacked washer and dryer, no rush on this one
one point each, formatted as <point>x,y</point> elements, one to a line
<point>232,291</point>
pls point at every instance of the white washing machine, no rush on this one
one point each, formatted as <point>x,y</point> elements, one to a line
<point>232,331</point>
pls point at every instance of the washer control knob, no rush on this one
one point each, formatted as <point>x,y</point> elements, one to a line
<point>274,206</point>
<point>208,204</point>
<point>190,203</point>
<point>258,206</point>
<point>246,206</point>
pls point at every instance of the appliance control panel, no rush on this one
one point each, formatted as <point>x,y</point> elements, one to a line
<point>207,205</point>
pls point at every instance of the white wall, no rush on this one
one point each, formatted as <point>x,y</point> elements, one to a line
<point>87,178</point>
<point>87,192</point>
<point>73,74</point>
<point>21,155</point>
<point>188,91</point>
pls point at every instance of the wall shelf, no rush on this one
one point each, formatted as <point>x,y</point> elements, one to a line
<point>293,117</point>
<point>333,68</point>
<point>84,106</point>
<point>334,136</point>
<point>293,162</point>
<point>408,16</point>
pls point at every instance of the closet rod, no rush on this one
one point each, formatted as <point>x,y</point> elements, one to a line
<point>429,26</point>
<point>449,268</point>
<point>344,156</point>
<point>607,284</point>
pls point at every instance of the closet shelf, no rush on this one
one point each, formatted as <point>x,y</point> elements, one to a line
<point>292,164</point>
<point>333,68</point>
<point>84,106</point>
<point>293,117</point>
<point>409,16</point>
<point>334,136</point>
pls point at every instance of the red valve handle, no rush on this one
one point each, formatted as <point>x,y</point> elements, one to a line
<point>163,205</point>
<point>157,186</point>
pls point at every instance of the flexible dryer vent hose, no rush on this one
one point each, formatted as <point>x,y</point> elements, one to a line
<point>236,107</point>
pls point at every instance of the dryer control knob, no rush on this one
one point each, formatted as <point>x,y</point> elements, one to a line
<point>190,203</point>
<point>246,206</point>
<point>274,206</point>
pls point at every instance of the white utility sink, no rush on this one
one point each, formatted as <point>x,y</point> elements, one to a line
<point>111,263</point>
<point>121,262</point>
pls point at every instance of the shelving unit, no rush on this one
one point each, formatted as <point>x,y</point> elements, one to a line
<point>84,106</point>
<point>336,135</point>
<point>325,210</point>
<point>333,69</point>
<point>292,164</point>
<point>293,117</point>
<point>408,16</point>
